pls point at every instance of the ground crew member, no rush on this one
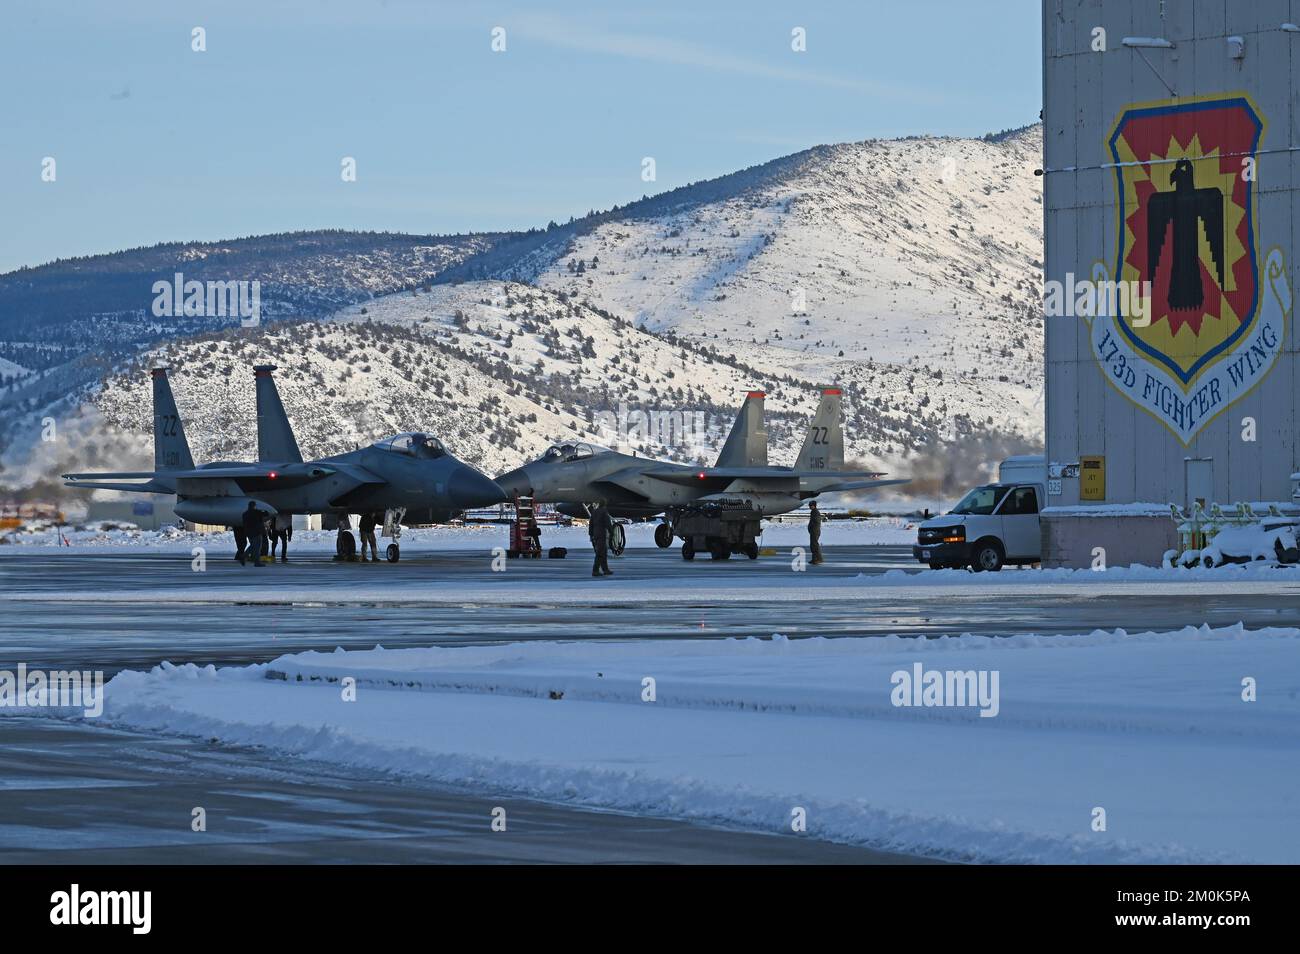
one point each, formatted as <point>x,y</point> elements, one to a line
<point>815,532</point>
<point>367,527</point>
<point>598,530</point>
<point>241,542</point>
<point>254,529</point>
<point>282,533</point>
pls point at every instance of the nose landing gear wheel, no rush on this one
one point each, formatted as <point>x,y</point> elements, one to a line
<point>663,536</point>
<point>393,553</point>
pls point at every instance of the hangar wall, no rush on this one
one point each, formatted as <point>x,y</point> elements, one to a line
<point>1186,401</point>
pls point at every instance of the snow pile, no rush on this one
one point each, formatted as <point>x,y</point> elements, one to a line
<point>1266,540</point>
<point>1151,728</point>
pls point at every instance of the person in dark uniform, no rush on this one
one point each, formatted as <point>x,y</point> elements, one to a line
<point>367,527</point>
<point>598,530</point>
<point>241,542</point>
<point>281,532</point>
<point>535,532</point>
<point>268,528</point>
<point>254,528</point>
<point>815,532</point>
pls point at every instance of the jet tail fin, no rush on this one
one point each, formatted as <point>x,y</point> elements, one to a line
<point>746,445</point>
<point>171,451</point>
<point>275,440</point>
<point>823,448</point>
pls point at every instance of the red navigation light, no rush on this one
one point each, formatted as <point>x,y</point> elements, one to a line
<point>272,475</point>
<point>702,475</point>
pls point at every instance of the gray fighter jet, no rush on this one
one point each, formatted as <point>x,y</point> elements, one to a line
<point>411,476</point>
<point>716,509</point>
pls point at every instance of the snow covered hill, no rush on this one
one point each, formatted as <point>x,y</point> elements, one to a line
<point>905,271</point>
<point>918,256</point>
<point>498,370</point>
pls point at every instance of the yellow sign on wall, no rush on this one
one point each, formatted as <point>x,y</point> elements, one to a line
<point>1092,478</point>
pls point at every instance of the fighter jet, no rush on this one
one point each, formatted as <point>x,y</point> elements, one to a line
<point>718,509</point>
<point>410,476</point>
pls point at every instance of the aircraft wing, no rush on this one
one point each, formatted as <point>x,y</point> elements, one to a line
<point>114,475</point>
<point>626,478</point>
<point>691,477</point>
<point>227,473</point>
<point>861,485</point>
<point>148,487</point>
<point>293,475</point>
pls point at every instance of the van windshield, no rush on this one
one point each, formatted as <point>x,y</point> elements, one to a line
<point>981,501</point>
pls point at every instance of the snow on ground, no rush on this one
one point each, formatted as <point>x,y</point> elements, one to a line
<point>1151,728</point>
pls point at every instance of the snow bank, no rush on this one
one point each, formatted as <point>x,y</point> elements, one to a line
<point>1150,727</point>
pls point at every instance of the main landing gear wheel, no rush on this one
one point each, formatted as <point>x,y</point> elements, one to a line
<point>345,547</point>
<point>663,536</point>
<point>394,553</point>
<point>617,539</point>
<point>688,549</point>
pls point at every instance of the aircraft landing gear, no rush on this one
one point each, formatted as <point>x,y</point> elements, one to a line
<point>393,528</point>
<point>664,536</point>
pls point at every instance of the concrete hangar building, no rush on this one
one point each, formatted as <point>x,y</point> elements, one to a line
<point>1172,171</point>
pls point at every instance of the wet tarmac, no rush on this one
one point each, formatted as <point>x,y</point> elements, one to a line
<point>71,793</point>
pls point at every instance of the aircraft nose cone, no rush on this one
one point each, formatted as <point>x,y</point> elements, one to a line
<point>468,488</point>
<point>516,483</point>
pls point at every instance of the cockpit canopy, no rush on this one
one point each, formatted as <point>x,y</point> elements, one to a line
<point>569,450</point>
<point>414,444</point>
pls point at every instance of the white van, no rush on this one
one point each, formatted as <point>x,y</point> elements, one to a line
<point>993,525</point>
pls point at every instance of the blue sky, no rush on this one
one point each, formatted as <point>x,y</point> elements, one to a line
<point>155,142</point>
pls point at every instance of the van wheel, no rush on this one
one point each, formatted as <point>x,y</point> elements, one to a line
<point>987,556</point>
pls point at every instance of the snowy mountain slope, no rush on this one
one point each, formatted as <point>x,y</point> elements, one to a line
<point>519,369</point>
<point>74,315</point>
<point>888,411</point>
<point>904,271</point>
<point>921,255</point>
